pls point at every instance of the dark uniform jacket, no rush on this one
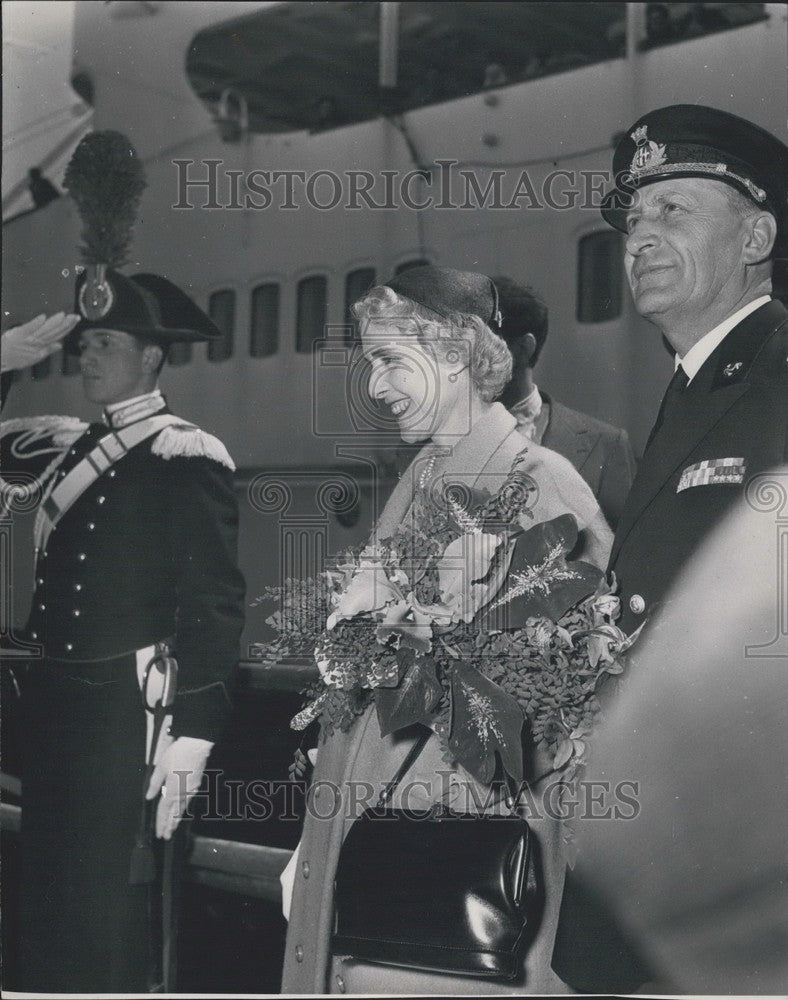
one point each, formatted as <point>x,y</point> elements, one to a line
<point>600,452</point>
<point>146,553</point>
<point>736,407</point>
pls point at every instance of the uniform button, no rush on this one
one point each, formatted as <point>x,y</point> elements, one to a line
<point>636,604</point>
<point>77,587</point>
<point>40,581</point>
<point>340,984</point>
<point>69,647</point>
<point>100,499</point>
<point>91,526</point>
<point>305,869</point>
<point>82,557</point>
<point>299,953</point>
<point>42,607</point>
<point>34,635</point>
<point>76,612</point>
<point>112,473</point>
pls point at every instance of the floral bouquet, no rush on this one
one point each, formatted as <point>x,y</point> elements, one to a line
<point>465,621</point>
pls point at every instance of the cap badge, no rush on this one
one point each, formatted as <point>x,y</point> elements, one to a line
<point>730,370</point>
<point>96,296</point>
<point>648,153</point>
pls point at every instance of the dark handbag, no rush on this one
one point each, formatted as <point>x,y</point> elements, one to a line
<point>437,890</point>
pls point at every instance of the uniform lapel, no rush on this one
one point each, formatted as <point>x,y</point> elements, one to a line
<point>721,382</point>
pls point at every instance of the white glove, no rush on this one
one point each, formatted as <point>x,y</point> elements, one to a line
<point>177,775</point>
<point>35,340</point>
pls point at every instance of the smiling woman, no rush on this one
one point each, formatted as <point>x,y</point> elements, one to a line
<point>437,374</point>
<point>437,364</point>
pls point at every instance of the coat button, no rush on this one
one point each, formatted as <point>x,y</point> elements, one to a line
<point>34,635</point>
<point>82,557</point>
<point>636,604</point>
<point>69,646</point>
<point>76,612</point>
<point>91,526</point>
<point>340,984</point>
<point>40,581</point>
<point>100,499</point>
<point>42,607</point>
<point>112,473</point>
<point>77,587</point>
<point>299,953</point>
<point>305,869</point>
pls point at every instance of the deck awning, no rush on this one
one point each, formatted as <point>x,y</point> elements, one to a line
<point>315,65</point>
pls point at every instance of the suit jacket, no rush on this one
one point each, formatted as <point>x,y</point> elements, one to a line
<point>361,755</point>
<point>145,553</point>
<point>735,408</point>
<point>600,452</point>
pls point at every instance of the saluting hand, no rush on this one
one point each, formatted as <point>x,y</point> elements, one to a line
<point>26,345</point>
<point>177,775</point>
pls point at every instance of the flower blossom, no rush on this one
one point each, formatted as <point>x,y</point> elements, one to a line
<point>371,588</point>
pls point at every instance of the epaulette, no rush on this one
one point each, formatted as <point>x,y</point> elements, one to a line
<point>62,432</point>
<point>188,441</point>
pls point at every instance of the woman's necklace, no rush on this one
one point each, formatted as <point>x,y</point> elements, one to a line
<point>426,472</point>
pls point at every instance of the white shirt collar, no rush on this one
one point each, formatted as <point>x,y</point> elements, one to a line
<point>699,353</point>
<point>530,406</point>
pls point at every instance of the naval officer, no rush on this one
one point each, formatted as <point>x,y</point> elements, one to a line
<point>701,197</point>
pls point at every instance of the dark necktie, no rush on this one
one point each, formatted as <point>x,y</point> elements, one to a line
<point>673,394</point>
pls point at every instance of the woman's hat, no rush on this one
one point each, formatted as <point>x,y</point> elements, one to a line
<point>445,290</point>
<point>145,305</point>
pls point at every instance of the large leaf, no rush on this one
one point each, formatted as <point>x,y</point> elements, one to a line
<point>540,582</point>
<point>413,700</point>
<point>484,721</point>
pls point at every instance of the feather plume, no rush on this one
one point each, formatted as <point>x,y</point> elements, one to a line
<point>106,179</point>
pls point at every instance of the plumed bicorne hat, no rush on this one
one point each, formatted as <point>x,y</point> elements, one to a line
<point>106,180</point>
<point>690,140</point>
<point>145,305</point>
<point>444,290</point>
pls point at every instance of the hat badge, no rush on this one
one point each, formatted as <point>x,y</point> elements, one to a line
<point>648,153</point>
<point>96,296</point>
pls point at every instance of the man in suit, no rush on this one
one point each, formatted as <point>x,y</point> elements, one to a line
<point>137,592</point>
<point>701,195</point>
<point>600,452</point>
